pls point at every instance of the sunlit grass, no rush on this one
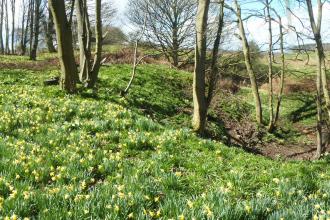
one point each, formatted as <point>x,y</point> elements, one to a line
<point>101,157</point>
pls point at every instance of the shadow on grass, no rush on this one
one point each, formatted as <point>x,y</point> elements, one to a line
<point>306,111</point>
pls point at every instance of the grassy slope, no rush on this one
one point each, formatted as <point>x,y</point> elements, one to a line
<point>76,157</point>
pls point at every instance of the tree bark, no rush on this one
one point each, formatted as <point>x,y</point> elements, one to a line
<point>248,64</point>
<point>7,29</point>
<point>270,70</point>
<point>84,40</point>
<point>200,108</point>
<point>215,55</point>
<point>321,78</point>
<point>98,49</point>
<point>24,39</point>
<point>279,98</point>
<point>13,26</point>
<point>31,26</point>
<point>65,47</point>
<point>49,27</point>
<point>33,54</point>
<point>2,49</point>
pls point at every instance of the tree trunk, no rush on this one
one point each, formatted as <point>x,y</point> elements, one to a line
<point>31,23</point>
<point>49,27</point>
<point>270,70</point>
<point>22,27</point>
<point>2,49</point>
<point>33,54</point>
<point>200,108</point>
<point>321,78</point>
<point>98,50</point>
<point>175,49</point>
<point>215,55</point>
<point>320,147</point>
<point>247,57</point>
<point>7,29</point>
<point>65,48</point>
<point>13,26</point>
<point>84,40</point>
<point>24,39</point>
<point>279,98</point>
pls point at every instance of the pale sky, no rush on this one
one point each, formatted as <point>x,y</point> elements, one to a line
<point>256,27</point>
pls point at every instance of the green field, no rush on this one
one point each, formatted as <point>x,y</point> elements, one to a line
<point>89,156</point>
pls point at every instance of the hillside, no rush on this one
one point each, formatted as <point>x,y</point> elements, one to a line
<point>90,156</point>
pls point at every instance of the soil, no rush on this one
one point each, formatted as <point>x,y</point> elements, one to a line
<point>274,148</point>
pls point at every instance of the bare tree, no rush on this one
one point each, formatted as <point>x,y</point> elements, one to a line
<point>248,63</point>
<point>169,25</point>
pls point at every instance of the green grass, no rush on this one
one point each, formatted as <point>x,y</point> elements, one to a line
<point>102,157</point>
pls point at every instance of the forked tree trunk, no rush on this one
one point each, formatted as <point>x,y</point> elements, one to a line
<point>248,64</point>
<point>65,47</point>
<point>200,108</point>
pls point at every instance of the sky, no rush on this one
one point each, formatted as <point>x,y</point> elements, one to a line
<point>256,27</point>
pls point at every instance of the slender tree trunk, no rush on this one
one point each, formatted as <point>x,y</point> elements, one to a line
<point>33,54</point>
<point>13,26</point>
<point>249,68</point>
<point>215,55</point>
<point>32,2</point>
<point>270,70</point>
<point>65,48</point>
<point>25,33</point>
<point>22,27</point>
<point>98,50</point>
<point>2,50</point>
<point>7,29</point>
<point>49,27</point>
<point>279,98</point>
<point>321,78</point>
<point>319,82</point>
<point>200,108</point>
<point>84,40</point>
<point>175,50</point>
